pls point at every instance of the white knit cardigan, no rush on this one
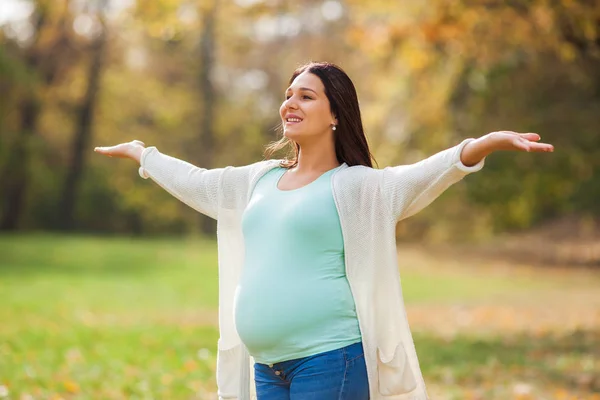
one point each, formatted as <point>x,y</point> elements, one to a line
<point>369,203</point>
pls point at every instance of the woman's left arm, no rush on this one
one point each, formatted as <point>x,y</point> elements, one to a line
<point>407,189</point>
<point>478,149</point>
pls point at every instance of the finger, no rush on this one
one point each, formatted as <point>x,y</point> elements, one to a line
<point>103,150</point>
<point>139,142</point>
<point>542,147</point>
<point>522,144</point>
<point>530,136</point>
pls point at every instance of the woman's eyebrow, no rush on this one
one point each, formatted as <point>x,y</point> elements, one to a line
<point>302,88</point>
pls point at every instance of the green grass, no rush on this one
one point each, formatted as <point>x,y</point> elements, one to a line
<point>555,361</point>
<point>109,318</point>
<point>446,286</point>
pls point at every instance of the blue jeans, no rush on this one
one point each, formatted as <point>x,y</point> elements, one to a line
<point>333,375</point>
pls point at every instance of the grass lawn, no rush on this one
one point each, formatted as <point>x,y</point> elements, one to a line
<point>114,318</point>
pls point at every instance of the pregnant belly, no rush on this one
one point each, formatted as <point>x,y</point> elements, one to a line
<point>272,315</point>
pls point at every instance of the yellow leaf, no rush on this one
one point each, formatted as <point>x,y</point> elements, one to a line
<point>71,387</point>
<point>190,365</point>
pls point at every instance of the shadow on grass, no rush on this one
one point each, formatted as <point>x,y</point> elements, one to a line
<point>562,360</point>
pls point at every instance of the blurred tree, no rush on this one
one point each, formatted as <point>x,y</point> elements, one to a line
<point>47,58</point>
<point>427,75</point>
<point>84,124</point>
<point>459,69</point>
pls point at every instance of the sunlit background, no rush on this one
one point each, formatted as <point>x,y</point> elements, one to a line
<point>108,285</point>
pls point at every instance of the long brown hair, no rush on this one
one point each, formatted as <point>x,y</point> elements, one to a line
<point>351,144</point>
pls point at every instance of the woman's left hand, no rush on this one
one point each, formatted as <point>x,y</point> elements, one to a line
<point>480,148</point>
<point>508,140</point>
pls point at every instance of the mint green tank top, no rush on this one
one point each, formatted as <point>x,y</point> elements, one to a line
<point>293,299</point>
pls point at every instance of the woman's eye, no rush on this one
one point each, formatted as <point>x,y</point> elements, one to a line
<point>304,97</point>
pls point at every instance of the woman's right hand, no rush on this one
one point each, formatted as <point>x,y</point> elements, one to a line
<point>131,150</point>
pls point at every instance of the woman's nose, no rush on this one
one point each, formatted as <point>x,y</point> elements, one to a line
<point>291,103</point>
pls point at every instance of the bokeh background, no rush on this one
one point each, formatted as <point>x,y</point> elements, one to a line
<point>108,285</point>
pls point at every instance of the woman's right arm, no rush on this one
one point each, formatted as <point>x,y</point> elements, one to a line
<point>196,187</point>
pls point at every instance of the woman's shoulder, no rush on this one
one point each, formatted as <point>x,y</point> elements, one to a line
<point>359,170</point>
<point>358,176</point>
<point>257,166</point>
<point>249,172</point>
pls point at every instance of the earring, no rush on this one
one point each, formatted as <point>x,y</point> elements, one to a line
<point>334,128</point>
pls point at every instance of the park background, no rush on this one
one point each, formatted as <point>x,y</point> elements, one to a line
<point>108,285</point>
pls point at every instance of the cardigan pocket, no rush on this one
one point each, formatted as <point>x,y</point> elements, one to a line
<point>228,370</point>
<point>394,372</point>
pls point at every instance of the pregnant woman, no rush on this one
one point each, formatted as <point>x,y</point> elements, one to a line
<point>310,302</point>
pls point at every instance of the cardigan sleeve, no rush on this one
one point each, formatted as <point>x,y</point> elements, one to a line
<point>194,186</point>
<point>407,189</point>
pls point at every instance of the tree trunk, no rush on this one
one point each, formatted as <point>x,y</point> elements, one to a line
<point>48,65</point>
<point>208,96</point>
<point>15,173</point>
<point>83,136</point>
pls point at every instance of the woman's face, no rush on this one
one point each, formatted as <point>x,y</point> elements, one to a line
<point>306,112</point>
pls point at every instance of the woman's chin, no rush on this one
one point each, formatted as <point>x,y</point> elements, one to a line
<point>292,134</point>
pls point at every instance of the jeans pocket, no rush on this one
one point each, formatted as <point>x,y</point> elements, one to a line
<point>394,372</point>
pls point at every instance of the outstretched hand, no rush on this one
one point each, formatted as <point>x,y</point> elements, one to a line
<point>480,148</point>
<point>508,140</point>
<point>131,150</point>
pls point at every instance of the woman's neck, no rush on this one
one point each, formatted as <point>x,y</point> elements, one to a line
<point>316,158</point>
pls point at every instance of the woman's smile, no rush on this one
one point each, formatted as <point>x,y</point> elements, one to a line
<point>292,119</point>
